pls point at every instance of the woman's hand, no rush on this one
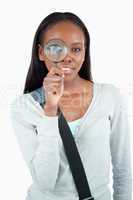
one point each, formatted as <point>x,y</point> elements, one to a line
<point>53,85</point>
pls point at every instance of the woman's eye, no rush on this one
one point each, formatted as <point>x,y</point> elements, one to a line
<point>76,49</point>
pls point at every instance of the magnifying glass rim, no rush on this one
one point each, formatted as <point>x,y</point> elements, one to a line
<point>60,42</point>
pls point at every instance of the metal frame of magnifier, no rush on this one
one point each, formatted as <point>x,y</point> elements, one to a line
<point>60,50</point>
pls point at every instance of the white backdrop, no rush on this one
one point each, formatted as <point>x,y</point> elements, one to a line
<point>111,31</point>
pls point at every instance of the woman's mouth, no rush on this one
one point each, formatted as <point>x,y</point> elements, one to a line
<point>67,70</point>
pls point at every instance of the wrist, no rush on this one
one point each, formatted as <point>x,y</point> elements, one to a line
<point>51,110</point>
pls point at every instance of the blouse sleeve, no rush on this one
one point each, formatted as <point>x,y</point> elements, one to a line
<point>120,149</point>
<point>40,151</point>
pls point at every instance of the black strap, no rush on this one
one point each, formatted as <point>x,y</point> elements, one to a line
<point>74,159</point>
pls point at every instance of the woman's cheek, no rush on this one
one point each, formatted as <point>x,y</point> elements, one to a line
<point>49,64</point>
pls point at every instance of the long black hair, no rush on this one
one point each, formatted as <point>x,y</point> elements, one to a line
<point>37,69</point>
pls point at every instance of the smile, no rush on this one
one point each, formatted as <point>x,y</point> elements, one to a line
<point>67,70</point>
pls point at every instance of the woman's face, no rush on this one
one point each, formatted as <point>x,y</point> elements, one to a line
<point>74,38</point>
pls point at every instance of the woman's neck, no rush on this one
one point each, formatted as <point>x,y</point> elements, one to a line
<point>73,85</point>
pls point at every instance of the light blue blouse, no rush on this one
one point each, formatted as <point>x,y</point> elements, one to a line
<point>73,125</point>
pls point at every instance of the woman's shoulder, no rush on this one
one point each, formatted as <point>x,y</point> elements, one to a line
<point>113,93</point>
<point>109,88</point>
<point>28,102</point>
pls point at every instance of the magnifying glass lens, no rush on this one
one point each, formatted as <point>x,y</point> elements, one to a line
<point>55,50</point>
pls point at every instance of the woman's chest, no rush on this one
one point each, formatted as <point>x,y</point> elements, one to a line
<point>75,107</point>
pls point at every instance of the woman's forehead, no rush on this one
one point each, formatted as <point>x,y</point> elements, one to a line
<point>65,31</point>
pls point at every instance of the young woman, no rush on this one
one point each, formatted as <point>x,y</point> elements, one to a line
<point>95,112</point>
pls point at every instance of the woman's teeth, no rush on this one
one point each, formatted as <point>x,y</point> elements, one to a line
<point>67,70</point>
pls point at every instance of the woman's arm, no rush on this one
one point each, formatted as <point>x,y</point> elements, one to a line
<point>120,150</point>
<point>40,151</point>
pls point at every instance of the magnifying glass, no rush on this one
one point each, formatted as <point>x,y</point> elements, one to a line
<point>55,50</point>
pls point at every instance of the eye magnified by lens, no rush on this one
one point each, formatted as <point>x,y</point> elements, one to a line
<point>55,50</point>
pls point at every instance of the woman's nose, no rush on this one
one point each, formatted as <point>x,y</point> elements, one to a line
<point>67,59</point>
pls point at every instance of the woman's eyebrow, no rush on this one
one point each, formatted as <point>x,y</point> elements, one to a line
<point>77,43</point>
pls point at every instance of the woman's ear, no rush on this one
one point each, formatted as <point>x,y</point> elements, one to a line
<point>40,52</point>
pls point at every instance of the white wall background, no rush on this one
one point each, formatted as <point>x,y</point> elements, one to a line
<point>111,31</point>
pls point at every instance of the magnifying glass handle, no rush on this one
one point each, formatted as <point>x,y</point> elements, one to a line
<point>56,64</point>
